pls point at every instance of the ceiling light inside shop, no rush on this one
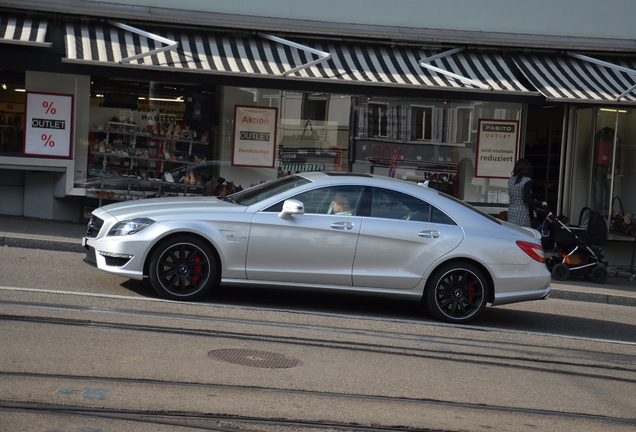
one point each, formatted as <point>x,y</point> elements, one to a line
<point>20,90</point>
<point>179,99</point>
<point>613,110</point>
<point>4,86</point>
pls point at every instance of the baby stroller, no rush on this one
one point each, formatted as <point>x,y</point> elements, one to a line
<point>576,250</point>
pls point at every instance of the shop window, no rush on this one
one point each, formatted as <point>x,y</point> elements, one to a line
<point>12,109</point>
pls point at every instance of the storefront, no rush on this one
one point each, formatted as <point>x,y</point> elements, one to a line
<point>114,112</point>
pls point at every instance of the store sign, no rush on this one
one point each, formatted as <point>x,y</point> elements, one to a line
<point>254,142</point>
<point>496,148</point>
<point>49,125</point>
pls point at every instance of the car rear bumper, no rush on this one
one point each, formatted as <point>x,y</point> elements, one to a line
<point>516,297</point>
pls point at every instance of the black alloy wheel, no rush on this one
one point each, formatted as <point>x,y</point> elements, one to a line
<point>183,268</point>
<point>561,272</point>
<point>456,293</point>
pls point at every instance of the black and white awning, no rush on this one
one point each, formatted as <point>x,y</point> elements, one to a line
<point>265,56</point>
<point>23,31</point>
<point>578,78</point>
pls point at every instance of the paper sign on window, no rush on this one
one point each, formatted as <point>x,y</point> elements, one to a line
<point>254,136</point>
<point>49,125</point>
<point>496,148</point>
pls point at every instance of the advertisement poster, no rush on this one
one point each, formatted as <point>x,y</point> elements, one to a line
<point>254,142</point>
<point>49,125</point>
<point>496,148</point>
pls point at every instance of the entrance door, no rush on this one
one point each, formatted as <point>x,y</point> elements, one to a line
<point>544,136</point>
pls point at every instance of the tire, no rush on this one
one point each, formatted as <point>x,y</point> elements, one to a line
<point>561,272</point>
<point>456,293</point>
<point>183,268</point>
<point>599,274</point>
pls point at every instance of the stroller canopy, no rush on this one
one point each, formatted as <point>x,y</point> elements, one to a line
<point>594,226</point>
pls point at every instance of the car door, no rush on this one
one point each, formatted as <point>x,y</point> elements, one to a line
<point>317,247</point>
<point>400,239</point>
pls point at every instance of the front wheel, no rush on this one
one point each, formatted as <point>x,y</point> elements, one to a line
<point>456,293</point>
<point>183,268</point>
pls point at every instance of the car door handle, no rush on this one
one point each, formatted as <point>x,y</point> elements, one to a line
<point>342,225</point>
<point>429,234</point>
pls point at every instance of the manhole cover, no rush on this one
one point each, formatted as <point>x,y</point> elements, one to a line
<point>262,359</point>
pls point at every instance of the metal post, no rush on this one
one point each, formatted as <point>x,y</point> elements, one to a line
<point>612,173</point>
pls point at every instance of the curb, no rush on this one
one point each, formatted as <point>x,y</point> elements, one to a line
<point>592,298</point>
<point>51,245</point>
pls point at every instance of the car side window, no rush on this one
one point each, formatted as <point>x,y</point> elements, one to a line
<point>390,204</point>
<point>341,200</point>
<point>438,216</point>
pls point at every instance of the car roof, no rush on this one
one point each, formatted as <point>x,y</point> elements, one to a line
<point>367,179</point>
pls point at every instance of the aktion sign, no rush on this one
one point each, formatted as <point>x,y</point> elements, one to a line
<point>254,136</point>
<point>496,148</point>
<point>49,125</point>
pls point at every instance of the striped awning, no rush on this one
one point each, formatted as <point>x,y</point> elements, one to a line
<point>265,57</point>
<point>23,31</point>
<point>577,78</point>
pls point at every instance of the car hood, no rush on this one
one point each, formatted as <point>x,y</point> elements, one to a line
<point>158,208</point>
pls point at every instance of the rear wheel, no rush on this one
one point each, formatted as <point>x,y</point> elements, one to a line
<point>183,268</point>
<point>456,293</point>
<point>561,272</point>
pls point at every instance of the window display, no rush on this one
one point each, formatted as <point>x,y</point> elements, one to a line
<point>434,141</point>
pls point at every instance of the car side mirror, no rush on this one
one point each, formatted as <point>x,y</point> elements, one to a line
<point>291,207</point>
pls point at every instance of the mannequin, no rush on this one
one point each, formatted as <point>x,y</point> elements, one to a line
<point>602,169</point>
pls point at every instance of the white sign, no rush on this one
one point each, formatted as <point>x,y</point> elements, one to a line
<point>254,136</point>
<point>49,125</point>
<point>496,148</point>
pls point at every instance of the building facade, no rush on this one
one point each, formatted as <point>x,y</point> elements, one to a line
<point>103,101</point>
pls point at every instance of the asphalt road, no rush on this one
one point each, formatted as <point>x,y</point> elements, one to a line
<point>84,350</point>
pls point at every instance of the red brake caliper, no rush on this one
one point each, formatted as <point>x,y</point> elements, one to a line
<point>197,269</point>
<point>471,298</point>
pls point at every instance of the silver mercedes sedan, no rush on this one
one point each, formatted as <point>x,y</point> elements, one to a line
<point>336,231</point>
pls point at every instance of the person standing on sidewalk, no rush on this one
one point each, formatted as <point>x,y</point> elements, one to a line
<point>520,192</point>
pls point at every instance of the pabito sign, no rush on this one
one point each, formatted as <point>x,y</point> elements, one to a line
<point>496,148</point>
<point>254,141</point>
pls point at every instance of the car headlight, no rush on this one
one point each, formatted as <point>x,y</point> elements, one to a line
<point>130,226</point>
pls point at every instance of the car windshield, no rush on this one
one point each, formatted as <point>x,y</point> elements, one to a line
<point>263,191</point>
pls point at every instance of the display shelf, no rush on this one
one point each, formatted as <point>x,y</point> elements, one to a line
<point>122,156</point>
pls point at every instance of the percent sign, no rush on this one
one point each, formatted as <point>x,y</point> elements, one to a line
<point>47,140</point>
<point>49,107</point>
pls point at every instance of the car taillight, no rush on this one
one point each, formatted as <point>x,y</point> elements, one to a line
<point>534,250</point>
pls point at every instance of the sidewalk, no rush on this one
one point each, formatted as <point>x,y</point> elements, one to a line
<point>23,232</point>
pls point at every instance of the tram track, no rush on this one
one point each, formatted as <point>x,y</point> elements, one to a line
<point>555,359</point>
<point>204,401</point>
<point>325,397</point>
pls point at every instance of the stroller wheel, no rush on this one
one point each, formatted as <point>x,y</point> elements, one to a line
<point>599,274</point>
<point>561,272</point>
